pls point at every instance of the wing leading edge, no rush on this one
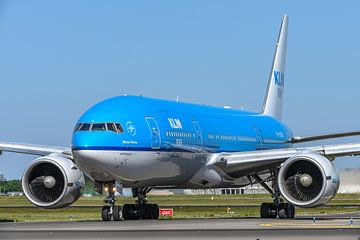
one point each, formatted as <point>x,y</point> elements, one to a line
<point>245,161</point>
<point>323,136</point>
<point>40,150</point>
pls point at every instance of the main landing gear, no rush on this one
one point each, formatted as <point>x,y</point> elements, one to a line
<point>140,210</point>
<point>277,207</point>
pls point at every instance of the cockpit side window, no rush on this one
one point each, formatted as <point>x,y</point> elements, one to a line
<point>98,127</point>
<point>77,127</point>
<point>119,128</point>
<point>111,127</point>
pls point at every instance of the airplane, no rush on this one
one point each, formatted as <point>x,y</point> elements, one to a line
<point>144,143</point>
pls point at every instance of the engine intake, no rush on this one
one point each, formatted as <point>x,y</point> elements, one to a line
<point>52,182</point>
<point>308,180</point>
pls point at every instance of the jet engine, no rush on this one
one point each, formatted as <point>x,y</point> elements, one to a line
<point>308,180</point>
<point>52,181</point>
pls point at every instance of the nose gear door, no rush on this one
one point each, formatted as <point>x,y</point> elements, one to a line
<point>154,132</point>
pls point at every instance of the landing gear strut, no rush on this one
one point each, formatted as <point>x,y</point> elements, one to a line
<point>140,210</point>
<point>277,207</point>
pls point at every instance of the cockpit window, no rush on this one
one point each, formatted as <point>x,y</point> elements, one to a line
<point>113,127</point>
<point>119,128</point>
<point>77,127</point>
<point>85,127</point>
<point>98,127</point>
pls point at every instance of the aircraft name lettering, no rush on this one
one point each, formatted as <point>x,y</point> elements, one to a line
<point>129,142</point>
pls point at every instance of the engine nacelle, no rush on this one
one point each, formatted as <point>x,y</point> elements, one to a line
<point>308,180</point>
<point>52,182</point>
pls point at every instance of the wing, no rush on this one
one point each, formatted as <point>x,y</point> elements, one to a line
<point>242,163</point>
<point>323,136</point>
<point>40,150</point>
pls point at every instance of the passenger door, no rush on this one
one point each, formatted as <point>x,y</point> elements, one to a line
<point>259,139</point>
<point>154,132</point>
<point>198,134</point>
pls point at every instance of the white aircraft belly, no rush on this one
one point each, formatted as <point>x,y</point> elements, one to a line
<point>139,167</point>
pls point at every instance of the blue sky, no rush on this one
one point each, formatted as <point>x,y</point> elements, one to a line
<point>59,58</point>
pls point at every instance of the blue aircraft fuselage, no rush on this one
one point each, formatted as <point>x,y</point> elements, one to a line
<point>159,125</point>
<point>141,141</point>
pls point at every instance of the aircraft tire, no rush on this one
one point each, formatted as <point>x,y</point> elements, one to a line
<point>154,211</point>
<point>286,210</point>
<point>282,210</point>
<point>117,213</point>
<point>144,210</point>
<point>266,210</point>
<point>131,212</point>
<point>139,211</point>
<point>105,213</point>
<point>291,211</point>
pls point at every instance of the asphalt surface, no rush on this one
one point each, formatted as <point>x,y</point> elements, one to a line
<point>198,206</point>
<point>244,228</point>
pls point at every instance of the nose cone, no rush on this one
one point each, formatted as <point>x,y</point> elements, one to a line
<point>107,111</point>
<point>84,140</point>
<point>112,124</point>
<point>95,140</point>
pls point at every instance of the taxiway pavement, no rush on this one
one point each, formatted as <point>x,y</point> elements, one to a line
<point>244,228</point>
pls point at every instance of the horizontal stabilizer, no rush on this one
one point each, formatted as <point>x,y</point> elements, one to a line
<point>322,137</point>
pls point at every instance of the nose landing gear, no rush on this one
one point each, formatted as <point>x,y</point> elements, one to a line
<point>112,210</point>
